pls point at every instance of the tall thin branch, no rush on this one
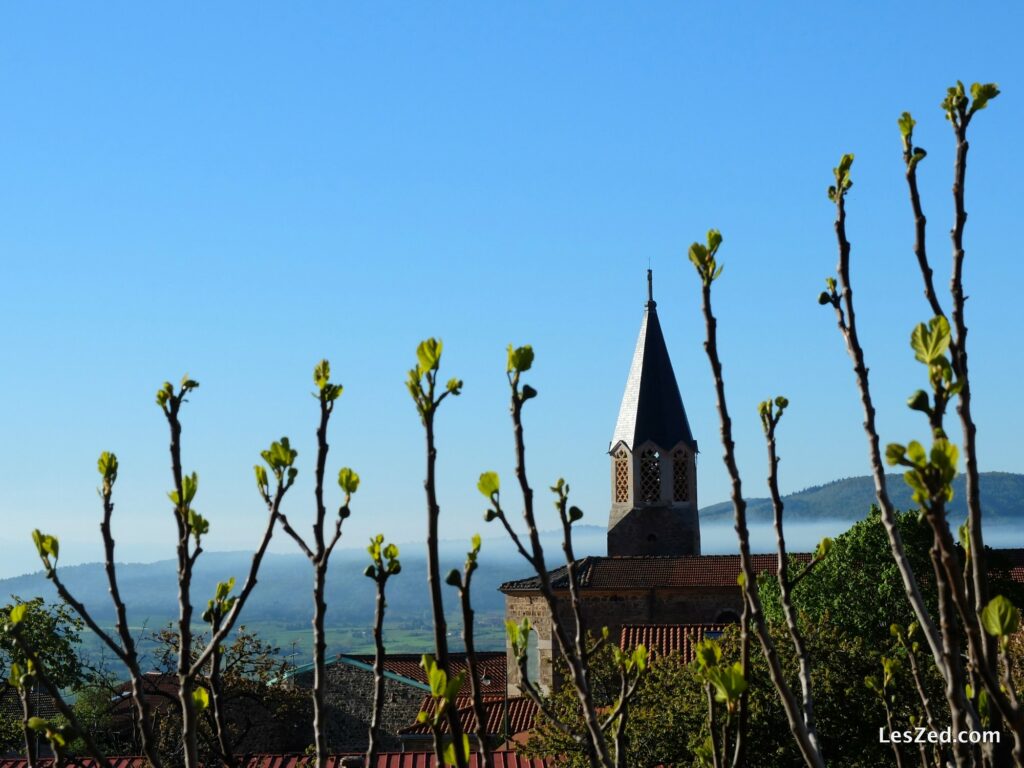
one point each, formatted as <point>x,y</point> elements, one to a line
<point>704,260</point>
<point>771,418</point>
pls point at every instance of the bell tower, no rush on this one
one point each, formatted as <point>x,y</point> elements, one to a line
<point>653,455</point>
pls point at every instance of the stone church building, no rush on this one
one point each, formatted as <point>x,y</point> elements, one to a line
<point>654,574</point>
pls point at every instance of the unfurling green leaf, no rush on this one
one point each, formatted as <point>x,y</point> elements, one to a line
<point>729,683</point>
<point>107,466</point>
<point>488,484</point>
<point>520,359</point>
<point>428,355</point>
<point>224,588</point>
<point>823,548</point>
<point>17,613</point>
<point>322,374</point>
<point>279,457</point>
<point>262,481</point>
<point>46,545</point>
<point>449,754</point>
<point>930,342</point>
<point>640,658</point>
<point>906,124</point>
<point>198,524</point>
<point>703,257</point>
<point>916,454</point>
<point>707,654</point>
<point>200,698</point>
<point>955,101</point>
<point>1000,617</point>
<point>348,480</point>
<point>894,453</point>
<point>842,173</point>
<point>982,94</point>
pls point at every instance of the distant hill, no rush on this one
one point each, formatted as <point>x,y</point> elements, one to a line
<point>1002,495</point>
<point>283,592</point>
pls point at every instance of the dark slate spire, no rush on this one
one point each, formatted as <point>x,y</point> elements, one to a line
<point>651,406</point>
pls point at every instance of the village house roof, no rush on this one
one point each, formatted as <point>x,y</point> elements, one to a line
<point>643,572</point>
<point>405,667</point>
<point>665,639</point>
<point>385,760</point>
<point>391,760</point>
<point>521,713</point>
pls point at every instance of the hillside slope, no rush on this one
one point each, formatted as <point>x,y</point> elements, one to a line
<point>1002,495</point>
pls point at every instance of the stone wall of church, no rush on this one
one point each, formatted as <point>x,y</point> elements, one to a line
<point>671,530</point>
<point>706,605</point>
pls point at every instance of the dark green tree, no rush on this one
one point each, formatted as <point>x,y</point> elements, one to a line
<point>54,632</point>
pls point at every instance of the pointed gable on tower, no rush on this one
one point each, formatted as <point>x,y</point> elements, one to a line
<point>652,409</point>
<point>654,482</point>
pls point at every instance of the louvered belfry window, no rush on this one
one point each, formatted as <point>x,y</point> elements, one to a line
<point>650,476</point>
<point>680,476</point>
<point>621,477</point>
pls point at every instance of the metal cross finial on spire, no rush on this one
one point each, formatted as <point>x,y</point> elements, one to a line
<point>650,288</point>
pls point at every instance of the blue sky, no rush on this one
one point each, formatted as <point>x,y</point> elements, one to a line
<point>238,190</point>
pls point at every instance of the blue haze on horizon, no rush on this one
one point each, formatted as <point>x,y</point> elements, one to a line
<point>237,191</point>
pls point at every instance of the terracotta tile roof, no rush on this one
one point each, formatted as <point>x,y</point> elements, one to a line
<point>387,760</point>
<point>643,572</point>
<point>1013,559</point>
<point>664,639</point>
<point>84,762</point>
<point>647,572</point>
<point>521,713</point>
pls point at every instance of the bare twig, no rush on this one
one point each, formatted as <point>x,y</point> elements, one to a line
<point>771,413</point>
<point>463,584</point>
<point>380,571</point>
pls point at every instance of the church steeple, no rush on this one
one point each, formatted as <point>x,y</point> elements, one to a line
<point>654,484</point>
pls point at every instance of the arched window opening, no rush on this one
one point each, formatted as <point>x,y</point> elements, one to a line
<point>727,617</point>
<point>621,477</point>
<point>650,476</point>
<point>680,476</point>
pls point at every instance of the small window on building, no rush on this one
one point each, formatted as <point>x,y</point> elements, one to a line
<point>726,617</point>
<point>621,477</point>
<point>680,476</point>
<point>650,476</point>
